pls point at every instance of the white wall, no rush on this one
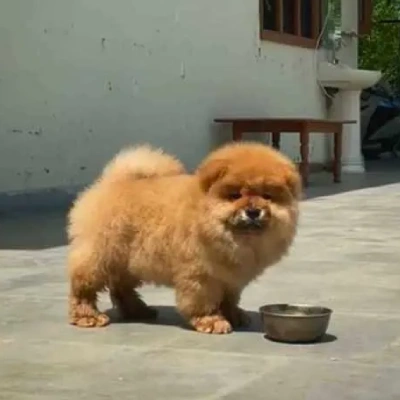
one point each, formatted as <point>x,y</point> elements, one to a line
<point>81,78</point>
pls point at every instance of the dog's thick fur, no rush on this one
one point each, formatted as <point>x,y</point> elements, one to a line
<point>145,220</point>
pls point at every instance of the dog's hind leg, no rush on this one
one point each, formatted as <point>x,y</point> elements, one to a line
<point>230,309</point>
<point>86,280</point>
<point>127,301</point>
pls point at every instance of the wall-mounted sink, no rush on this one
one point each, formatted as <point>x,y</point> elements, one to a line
<point>341,76</point>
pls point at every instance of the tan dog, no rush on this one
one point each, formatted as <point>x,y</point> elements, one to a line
<point>207,235</point>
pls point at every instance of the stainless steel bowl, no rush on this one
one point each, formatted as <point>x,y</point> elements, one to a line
<point>295,323</point>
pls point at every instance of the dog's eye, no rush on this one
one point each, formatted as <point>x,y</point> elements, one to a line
<point>266,196</point>
<point>234,196</point>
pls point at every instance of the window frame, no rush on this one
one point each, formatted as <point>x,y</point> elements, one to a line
<point>295,39</point>
<point>365,17</point>
<point>364,24</point>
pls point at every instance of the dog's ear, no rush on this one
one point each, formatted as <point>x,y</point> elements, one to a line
<point>210,172</point>
<point>294,183</point>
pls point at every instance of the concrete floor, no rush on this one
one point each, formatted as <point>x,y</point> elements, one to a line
<point>346,257</point>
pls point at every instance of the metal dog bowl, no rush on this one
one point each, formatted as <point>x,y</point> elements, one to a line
<point>295,323</point>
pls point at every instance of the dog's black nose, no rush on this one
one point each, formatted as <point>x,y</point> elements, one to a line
<point>253,213</point>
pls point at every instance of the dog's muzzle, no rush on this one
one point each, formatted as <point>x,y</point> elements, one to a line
<point>251,218</point>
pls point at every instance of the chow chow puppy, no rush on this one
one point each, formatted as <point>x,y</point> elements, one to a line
<point>207,234</point>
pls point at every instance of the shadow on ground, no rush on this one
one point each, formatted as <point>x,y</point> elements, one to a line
<point>379,173</point>
<point>169,316</point>
<point>34,230</point>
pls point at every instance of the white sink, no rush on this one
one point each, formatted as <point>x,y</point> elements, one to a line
<point>341,76</point>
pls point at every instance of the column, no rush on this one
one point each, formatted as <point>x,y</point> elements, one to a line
<point>346,106</point>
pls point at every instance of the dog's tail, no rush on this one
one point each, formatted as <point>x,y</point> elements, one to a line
<point>142,162</point>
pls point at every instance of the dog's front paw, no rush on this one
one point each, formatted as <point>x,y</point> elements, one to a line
<point>211,324</point>
<point>90,321</point>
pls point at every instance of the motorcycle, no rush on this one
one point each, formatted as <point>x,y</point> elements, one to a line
<point>380,122</point>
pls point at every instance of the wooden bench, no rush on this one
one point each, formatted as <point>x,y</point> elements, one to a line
<point>303,126</point>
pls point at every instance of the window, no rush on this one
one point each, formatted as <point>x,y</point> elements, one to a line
<point>293,22</point>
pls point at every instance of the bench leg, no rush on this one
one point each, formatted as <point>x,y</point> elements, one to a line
<point>304,150</point>
<point>237,132</point>
<point>337,157</point>
<point>276,140</point>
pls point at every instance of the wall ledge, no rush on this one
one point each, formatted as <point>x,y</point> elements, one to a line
<point>38,200</point>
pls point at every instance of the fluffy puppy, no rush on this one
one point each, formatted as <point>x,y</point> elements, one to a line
<point>207,235</point>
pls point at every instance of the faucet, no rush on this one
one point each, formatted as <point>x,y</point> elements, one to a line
<point>349,34</point>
